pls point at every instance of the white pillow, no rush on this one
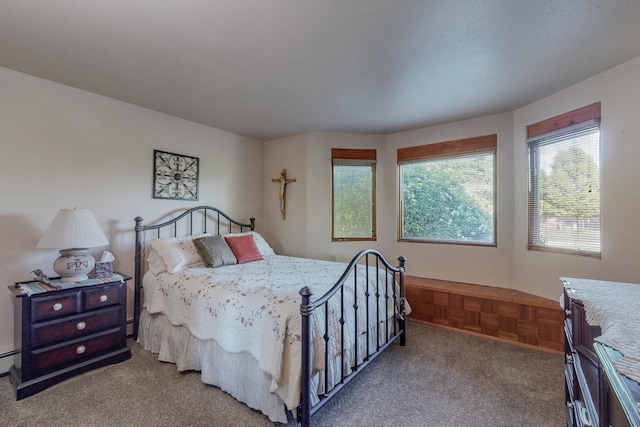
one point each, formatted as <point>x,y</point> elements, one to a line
<point>261,244</point>
<point>178,253</point>
<point>155,262</point>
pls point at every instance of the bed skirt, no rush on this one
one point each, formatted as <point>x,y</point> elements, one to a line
<point>236,373</point>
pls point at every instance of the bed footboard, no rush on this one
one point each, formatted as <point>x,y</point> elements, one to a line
<point>380,296</point>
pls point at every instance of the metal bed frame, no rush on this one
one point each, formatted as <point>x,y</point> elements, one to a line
<point>208,219</point>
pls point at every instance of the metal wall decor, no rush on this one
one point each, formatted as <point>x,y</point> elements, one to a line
<point>175,176</point>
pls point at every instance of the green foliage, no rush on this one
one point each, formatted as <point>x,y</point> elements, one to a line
<point>451,201</point>
<point>352,201</point>
<point>572,189</point>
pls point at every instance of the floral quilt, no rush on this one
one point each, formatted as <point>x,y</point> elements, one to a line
<point>255,308</point>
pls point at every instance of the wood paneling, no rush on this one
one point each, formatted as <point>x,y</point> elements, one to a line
<point>578,115</point>
<point>449,148</point>
<point>505,314</point>
<point>353,154</point>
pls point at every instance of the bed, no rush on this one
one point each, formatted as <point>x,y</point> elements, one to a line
<point>281,334</point>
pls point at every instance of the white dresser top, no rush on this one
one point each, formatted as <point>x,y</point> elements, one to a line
<point>615,307</point>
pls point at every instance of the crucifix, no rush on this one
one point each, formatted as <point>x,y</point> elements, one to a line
<point>283,181</point>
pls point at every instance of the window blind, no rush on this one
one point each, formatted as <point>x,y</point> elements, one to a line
<point>564,189</point>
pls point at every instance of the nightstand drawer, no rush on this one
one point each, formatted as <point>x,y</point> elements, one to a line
<point>67,331</point>
<point>66,354</point>
<point>54,306</point>
<point>46,333</point>
<point>101,296</point>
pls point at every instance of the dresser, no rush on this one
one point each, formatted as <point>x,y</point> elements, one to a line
<point>597,392</point>
<point>67,331</point>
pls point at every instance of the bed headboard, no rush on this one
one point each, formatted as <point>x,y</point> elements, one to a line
<point>201,219</point>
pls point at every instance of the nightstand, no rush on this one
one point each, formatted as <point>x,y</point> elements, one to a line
<point>67,331</point>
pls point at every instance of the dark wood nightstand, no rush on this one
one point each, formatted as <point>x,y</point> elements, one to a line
<point>68,331</point>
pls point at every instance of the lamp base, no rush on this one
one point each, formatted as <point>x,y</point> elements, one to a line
<point>73,265</point>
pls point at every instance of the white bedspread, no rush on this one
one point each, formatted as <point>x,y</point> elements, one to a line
<point>254,308</point>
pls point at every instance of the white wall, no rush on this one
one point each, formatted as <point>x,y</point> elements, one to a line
<point>618,90</point>
<point>470,264</point>
<point>62,147</point>
<point>287,237</point>
<point>510,264</point>
<point>306,231</point>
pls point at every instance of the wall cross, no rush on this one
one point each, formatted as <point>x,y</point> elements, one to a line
<point>283,181</point>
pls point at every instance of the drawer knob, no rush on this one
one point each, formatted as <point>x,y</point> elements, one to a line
<point>81,325</point>
<point>103,298</point>
<point>57,306</point>
<point>81,349</point>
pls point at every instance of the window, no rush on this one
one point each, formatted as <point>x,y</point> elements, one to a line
<point>354,194</point>
<point>564,183</point>
<point>447,191</point>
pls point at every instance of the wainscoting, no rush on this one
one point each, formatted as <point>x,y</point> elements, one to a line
<point>504,314</point>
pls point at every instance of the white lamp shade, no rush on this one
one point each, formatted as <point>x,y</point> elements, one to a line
<point>73,228</point>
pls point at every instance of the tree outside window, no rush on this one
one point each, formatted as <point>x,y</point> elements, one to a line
<point>447,192</point>
<point>564,202</point>
<point>353,189</point>
<point>449,199</point>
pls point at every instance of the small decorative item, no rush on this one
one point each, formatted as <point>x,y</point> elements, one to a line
<point>40,276</point>
<point>283,181</point>
<point>175,176</point>
<point>104,267</point>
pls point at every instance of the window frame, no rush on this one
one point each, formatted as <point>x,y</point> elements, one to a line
<point>355,157</point>
<point>449,149</point>
<point>566,124</point>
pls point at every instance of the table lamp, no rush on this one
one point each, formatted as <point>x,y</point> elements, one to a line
<point>78,230</point>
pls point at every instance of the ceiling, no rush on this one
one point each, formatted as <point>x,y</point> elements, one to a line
<point>272,68</point>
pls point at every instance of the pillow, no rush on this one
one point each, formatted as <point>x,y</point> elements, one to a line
<point>155,262</point>
<point>178,253</point>
<point>261,243</point>
<point>244,248</point>
<point>214,251</point>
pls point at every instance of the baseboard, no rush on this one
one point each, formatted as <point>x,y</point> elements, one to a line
<point>6,360</point>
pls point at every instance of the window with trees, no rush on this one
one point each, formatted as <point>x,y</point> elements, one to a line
<point>448,191</point>
<point>354,194</point>
<point>564,183</point>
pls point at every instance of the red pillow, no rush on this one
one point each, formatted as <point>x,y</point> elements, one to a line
<point>244,248</point>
